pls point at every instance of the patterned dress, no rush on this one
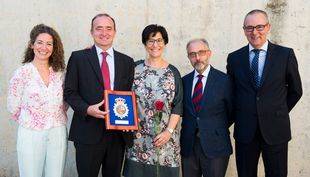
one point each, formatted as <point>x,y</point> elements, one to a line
<point>150,85</point>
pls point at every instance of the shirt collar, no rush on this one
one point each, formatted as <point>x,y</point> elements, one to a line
<point>264,47</point>
<point>205,73</point>
<point>109,51</point>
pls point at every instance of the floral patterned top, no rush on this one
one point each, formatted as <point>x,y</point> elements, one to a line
<point>33,104</point>
<point>151,84</point>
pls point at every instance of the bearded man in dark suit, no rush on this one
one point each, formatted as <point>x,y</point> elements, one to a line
<point>207,108</point>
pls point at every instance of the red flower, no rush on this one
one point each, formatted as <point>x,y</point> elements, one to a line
<point>159,105</point>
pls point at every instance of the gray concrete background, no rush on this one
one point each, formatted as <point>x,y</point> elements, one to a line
<point>219,21</point>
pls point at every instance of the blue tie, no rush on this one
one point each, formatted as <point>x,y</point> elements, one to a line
<point>254,68</point>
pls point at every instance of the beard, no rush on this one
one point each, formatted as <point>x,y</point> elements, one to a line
<point>200,66</point>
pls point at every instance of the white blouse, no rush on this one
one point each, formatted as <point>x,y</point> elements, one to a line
<point>33,104</point>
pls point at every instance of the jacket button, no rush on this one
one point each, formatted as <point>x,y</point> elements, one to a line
<point>257,98</point>
<point>197,118</point>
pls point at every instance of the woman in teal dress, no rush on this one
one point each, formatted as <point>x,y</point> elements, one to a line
<point>158,88</point>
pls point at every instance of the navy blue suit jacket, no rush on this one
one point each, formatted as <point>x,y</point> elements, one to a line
<point>212,121</point>
<point>268,107</point>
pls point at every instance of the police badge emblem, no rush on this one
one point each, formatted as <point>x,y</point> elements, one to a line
<point>123,111</point>
<point>120,108</point>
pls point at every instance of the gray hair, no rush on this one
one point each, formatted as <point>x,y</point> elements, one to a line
<point>197,40</point>
<point>256,11</point>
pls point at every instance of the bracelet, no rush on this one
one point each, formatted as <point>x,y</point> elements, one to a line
<point>170,130</point>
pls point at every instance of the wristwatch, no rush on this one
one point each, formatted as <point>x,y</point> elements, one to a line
<point>170,130</point>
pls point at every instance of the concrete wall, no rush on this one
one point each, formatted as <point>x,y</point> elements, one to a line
<point>220,21</point>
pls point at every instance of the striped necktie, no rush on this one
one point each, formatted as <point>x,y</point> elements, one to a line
<point>197,95</point>
<point>254,68</point>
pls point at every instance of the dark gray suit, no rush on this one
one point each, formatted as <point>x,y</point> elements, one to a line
<point>212,122</point>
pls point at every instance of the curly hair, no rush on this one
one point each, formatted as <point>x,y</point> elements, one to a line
<point>56,60</point>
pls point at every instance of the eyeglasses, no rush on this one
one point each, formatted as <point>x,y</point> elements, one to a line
<point>42,43</point>
<point>151,42</point>
<point>200,53</point>
<point>257,27</point>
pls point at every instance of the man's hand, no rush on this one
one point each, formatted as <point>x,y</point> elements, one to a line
<point>93,110</point>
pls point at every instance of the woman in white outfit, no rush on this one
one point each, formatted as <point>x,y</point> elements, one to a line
<point>35,100</point>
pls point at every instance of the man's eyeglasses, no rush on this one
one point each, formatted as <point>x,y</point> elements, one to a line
<point>200,53</point>
<point>151,42</point>
<point>257,27</point>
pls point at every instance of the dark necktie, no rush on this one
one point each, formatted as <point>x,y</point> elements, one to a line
<point>197,95</point>
<point>254,68</point>
<point>105,71</point>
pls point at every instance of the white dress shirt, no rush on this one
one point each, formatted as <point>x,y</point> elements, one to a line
<point>110,61</point>
<point>261,58</point>
<point>203,80</point>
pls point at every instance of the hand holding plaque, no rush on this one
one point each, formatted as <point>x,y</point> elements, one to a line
<point>94,110</point>
<point>123,110</point>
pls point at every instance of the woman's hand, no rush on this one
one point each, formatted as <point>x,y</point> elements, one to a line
<point>162,138</point>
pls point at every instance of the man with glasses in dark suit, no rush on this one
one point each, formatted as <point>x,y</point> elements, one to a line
<point>267,86</point>
<point>207,108</point>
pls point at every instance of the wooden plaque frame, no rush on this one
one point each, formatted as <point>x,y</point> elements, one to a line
<point>131,109</point>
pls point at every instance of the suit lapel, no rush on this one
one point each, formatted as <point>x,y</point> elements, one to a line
<point>118,68</point>
<point>210,81</point>
<point>188,91</point>
<point>94,61</point>
<point>245,65</point>
<point>268,62</point>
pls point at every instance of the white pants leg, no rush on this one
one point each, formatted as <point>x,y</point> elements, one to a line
<point>39,149</point>
<point>31,150</point>
<point>56,152</point>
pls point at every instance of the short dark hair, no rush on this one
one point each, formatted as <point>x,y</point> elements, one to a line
<point>56,60</point>
<point>102,15</point>
<point>151,30</point>
<point>256,11</point>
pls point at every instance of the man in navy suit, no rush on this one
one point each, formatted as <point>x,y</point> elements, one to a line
<point>89,73</point>
<point>205,141</point>
<point>267,86</point>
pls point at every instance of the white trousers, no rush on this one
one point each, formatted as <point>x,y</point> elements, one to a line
<point>41,151</point>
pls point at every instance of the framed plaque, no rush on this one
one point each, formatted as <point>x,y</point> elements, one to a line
<point>123,110</point>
